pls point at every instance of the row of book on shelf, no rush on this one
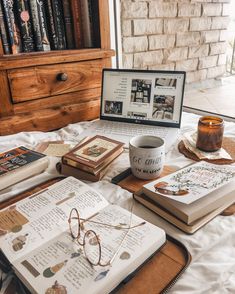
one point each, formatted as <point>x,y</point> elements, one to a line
<point>36,226</point>
<point>44,25</point>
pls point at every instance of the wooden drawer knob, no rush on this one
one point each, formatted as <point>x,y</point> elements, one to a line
<point>62,77</point>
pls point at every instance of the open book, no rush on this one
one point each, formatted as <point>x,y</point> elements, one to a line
<point>36,240</point>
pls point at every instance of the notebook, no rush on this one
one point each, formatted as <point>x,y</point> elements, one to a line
<point>139,102</point>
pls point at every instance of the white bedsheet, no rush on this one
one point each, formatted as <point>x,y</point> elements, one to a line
<point>212,248</point>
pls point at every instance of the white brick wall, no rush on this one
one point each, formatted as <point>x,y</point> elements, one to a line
<point>161,41</point>
<point>185,35</point>
<point>188,39</point>
<point>147,58</point>
<point>209,61</point>
<point>148,26</point>
<point>158,9</point>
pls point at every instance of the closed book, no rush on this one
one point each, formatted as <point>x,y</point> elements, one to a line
<point>77,23</point>
<point>57,9</point>
<point>95,20</point>
<point>69,170</point>
<point>68,21</point>
<point>86,24</point>
<point>43,25</point>
<point>208,185</point>
<point>51,25</point>
<point>36,25</point>
<point>3,30</point>
<point>177,222</point>
<point>25,25</point>
<point>94,154</point>
<point>11,27</point>
<point>15,27</point>
<point>20,163</point>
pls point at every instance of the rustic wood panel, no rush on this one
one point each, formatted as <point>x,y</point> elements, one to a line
<point>41,81</point>
<point>39,102</point>
<point>22,60</point>
<point>55,101</point>
<point>1,47</point>
<point>104,24</point>
<point>50,118</point>
<point>5,96</point>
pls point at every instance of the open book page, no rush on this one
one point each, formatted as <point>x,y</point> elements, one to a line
<point>193,182</point>
<point>62,259</point>
<point>39,218</point>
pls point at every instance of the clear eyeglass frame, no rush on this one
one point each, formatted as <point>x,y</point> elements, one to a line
<point>76,225</point>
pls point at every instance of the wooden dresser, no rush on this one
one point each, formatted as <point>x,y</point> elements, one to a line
<point>48,90</point>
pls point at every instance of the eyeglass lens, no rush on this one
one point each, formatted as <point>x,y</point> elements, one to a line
<point>92,247</point>
<point>74,223</point>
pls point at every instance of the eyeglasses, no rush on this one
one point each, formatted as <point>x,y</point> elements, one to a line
<point>90,241</point>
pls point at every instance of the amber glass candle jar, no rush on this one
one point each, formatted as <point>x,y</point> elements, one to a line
<point>210,133</point>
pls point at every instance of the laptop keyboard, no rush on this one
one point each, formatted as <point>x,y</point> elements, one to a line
<point>128,129</point>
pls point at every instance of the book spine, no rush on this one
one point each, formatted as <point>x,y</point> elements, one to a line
<point>25,25</point>
<point>95,20</point>
<point>36,25</point>
<point>77,23</point>
<point>15,27</point>
<point>43,26</point>
<point>10,21</point>
<point>4,37</point>
<point>59,23</point>
<point>86,24</point>
<point>51,25</point>
<point>68,24</point>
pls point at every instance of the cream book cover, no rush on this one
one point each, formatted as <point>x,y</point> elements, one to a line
<point>193,182</point>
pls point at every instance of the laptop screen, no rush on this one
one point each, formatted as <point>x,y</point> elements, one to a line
<point>141,96</point>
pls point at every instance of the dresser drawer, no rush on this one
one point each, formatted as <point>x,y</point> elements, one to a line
<point>44,81</point>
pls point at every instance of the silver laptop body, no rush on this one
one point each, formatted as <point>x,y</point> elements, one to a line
<point>139,102</point>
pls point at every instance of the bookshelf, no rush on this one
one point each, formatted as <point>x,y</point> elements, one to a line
<point>48,90</point>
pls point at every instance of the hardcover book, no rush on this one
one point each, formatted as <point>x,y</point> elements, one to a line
<point>4,35</point>
<point>36,25</point>
<point>51,25</point>
<point>194,191</point>
<point>57,9</point>
<point>77,23</point>
<point>20,163</point>
<point>86,18</point>
<point>167,214</point>
<point>68,21</point>
<point>11,27</point>
<point>69,170</point>
<point>25,25</point>
<point>43,26</point>
<point>36,239</point>
<point>94,154</point>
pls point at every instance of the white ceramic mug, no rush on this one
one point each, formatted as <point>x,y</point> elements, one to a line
<point>147,156</point>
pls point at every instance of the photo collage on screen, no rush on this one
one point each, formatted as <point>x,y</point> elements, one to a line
<point>147,96</point>
<point>163,104</point>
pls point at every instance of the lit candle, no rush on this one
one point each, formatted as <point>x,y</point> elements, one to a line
<point>210,133</point>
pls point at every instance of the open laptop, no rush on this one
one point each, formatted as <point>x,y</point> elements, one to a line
<point>139,102</point>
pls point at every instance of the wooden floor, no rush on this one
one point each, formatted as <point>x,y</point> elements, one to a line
<point>219,99</point>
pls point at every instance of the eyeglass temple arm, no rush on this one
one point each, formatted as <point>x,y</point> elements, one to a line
<point>118,249</point>
<point>112,226</point>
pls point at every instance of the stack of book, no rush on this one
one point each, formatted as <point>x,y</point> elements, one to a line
<point>43,25</point>
<point>192,196</point>
<point>90,160</point>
